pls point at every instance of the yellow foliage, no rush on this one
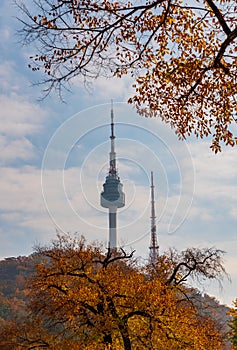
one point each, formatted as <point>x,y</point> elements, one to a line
<point>82,297</point>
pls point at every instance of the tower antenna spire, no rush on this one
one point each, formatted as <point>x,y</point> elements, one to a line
<point>112,161</point>
<point>154,248</point>
<point>112,121</point>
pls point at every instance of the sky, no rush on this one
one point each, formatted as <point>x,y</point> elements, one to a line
<point>54,159</point>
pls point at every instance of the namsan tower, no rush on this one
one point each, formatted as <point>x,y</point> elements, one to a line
<point>112,196</point>
<point>154,248</point>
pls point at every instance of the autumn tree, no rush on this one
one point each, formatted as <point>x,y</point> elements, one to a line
<point>180,54</point>
<point>85,297</point>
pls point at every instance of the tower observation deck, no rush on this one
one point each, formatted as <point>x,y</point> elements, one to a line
<point>112,196</point>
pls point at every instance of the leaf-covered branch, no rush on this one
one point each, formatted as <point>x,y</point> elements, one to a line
<point>182,58</point>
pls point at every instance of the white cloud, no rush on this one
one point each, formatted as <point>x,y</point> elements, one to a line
<point>105,89</point>
<point>114,88</point>
<point>5,35</point>
<point>215,184</point>
<point>21,190</point>
<point>16,149</point>
<point>11,80</point>
<point>197,212</point>
<point>233,212</point>
<point>214,167</point>
<point>20,117</point>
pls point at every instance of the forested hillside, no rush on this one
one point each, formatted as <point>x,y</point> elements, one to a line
<point>13,292</point>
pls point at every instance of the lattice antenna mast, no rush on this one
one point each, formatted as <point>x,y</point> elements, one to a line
<point>154,248</point>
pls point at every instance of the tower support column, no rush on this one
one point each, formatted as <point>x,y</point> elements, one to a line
<point>112,227</point>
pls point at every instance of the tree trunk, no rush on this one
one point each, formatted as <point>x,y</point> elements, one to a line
<point>125,335</point>
<point>126,342</point>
